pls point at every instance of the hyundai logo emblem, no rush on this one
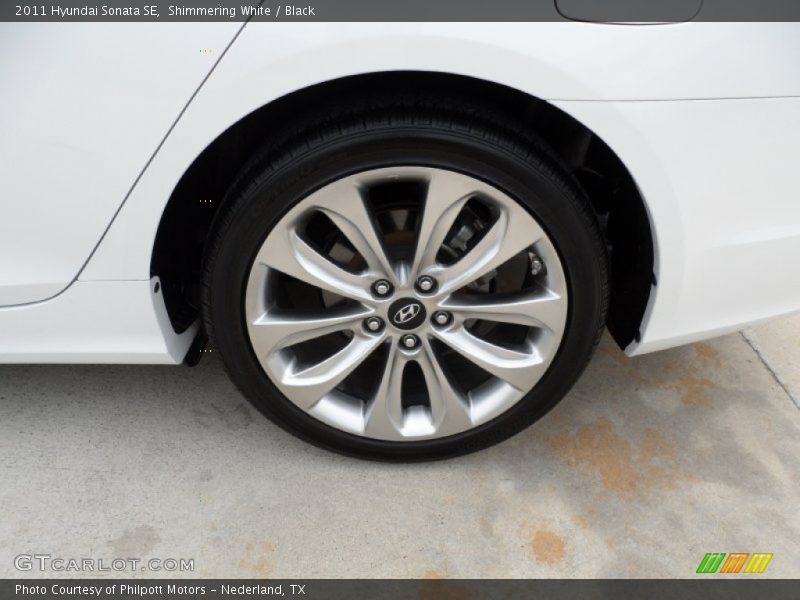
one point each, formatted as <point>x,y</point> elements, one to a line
<point>405,314</point>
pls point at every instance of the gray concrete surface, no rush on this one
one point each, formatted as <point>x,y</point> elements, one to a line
<point>648,464</point>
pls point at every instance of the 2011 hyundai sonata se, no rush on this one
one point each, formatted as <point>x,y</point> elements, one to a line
<point>404,240</point>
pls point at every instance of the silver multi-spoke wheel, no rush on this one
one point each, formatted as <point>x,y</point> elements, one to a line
<point>406,303</point>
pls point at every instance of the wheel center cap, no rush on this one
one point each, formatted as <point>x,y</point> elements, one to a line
<point>406,313</point>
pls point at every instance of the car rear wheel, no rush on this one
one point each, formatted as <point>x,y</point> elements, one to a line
<point>406,284</point>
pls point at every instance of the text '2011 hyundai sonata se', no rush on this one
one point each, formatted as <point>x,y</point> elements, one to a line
<point>404,240</point>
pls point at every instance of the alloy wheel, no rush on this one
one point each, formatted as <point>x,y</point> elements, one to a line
<point>406,303</point>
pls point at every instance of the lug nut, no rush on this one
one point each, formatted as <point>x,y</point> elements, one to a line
<point>426,284</point>
<point>537,266</point>
<point>374,324</point>
<point>381,288</point>
<point>441,318</point>
<point>410,341</point>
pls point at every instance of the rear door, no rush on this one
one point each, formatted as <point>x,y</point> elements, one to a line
<point>83,108</point>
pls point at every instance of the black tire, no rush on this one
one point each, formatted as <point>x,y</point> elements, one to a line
<point>437,135</point>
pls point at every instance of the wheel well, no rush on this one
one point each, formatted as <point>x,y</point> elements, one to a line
<point>197,201</point>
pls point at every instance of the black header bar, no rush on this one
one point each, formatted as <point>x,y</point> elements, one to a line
<point>620,11</point>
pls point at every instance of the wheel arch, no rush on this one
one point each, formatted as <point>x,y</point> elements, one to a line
<point>185,226</point>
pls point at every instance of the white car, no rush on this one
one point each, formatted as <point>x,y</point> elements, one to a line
<point>403,239</point>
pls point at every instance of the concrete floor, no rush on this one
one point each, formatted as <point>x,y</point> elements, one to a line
<point>647,465</point>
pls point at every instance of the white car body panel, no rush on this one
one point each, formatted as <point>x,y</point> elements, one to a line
<point>704,115</point>
<point>84,108</point>
<point>94,322</point>
<point>725,209</point>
